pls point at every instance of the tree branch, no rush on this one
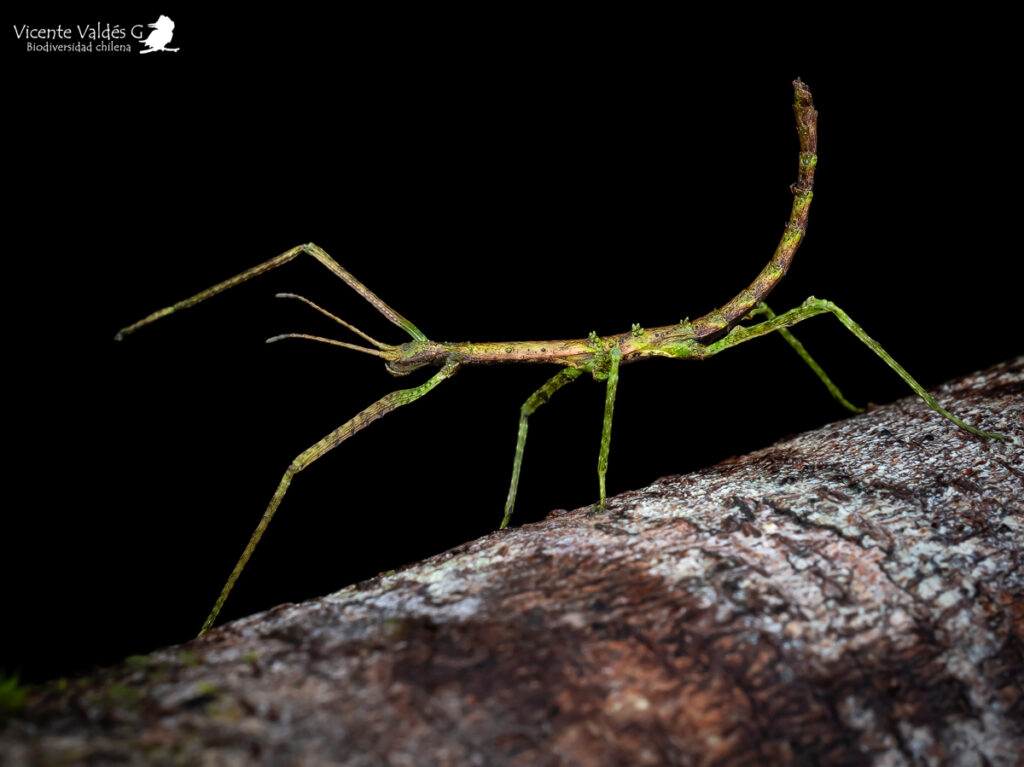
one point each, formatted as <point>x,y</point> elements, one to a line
<point>851,595</point>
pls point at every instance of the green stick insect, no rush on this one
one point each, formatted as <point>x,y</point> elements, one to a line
<point>599,356</point>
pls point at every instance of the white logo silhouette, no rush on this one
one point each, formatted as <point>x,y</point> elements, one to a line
<point>163,31</point>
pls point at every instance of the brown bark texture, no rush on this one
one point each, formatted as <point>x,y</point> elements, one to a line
<point>852,595</point>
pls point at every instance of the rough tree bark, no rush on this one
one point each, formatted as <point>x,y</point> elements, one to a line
<point>851,595</point>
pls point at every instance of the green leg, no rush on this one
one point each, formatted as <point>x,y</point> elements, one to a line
<point>606,431</point>
<point>309,248</point>
<point>798,347</point>
<point>381,407</point>
<point>815,306</point>
<point>538,398</point>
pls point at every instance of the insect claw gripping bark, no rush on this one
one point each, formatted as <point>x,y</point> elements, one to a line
<point>601,357</point>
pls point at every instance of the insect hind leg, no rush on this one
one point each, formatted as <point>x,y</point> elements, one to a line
<point>799,348</point>
<point>815,306</point>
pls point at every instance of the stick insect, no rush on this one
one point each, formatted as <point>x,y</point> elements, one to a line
<point>599,356</point>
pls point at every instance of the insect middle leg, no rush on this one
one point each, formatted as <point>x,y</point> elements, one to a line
<point>815,306</point>
<point>606,430</point>
<point>381,407</point>
<point>535,400</point>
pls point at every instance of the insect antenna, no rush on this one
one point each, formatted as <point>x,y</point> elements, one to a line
<point>340,321</point>
<point>330,341</point>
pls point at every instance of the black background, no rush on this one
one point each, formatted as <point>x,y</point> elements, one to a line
<point>518,177</point>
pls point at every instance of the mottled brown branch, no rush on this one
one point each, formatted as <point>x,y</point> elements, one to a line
<point>853,595</point>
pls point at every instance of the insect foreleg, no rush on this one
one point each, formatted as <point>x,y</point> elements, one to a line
<point>815,306</point>
<point>798,347</point>
<point>313,250</point>
<point>538,398</point>
<point>381,407</point>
